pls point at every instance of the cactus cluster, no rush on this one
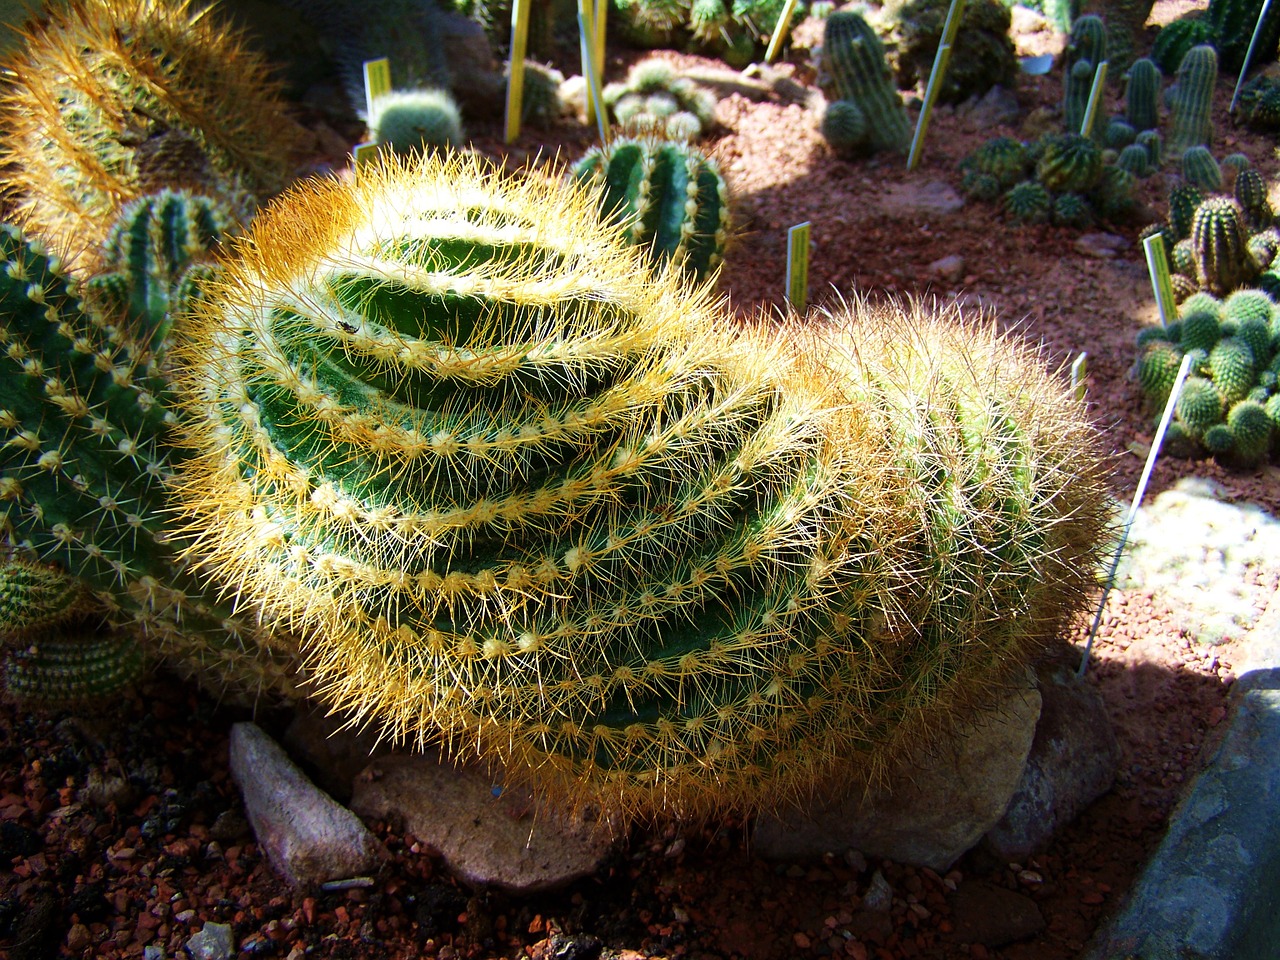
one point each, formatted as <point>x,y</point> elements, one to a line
<point>855,69</point>
<point>982,54</point>
<point>1229,406</point>
<point>1063,178</point>
<point>1259,104</point>
<point>731,30</point>
<point>656,100</point>
<point>670,200</point>
<point>112,99</point>
<point>525,495</point>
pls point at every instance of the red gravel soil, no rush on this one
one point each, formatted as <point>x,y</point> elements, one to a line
<point>123,832</point>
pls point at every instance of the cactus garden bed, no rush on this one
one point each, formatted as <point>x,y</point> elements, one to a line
<point>124,833</point>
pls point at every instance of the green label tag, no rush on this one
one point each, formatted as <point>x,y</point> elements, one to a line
<point>362,153</point>
<point>1079,370</point>
<point>798,265</point>
<point>1158,268</point>
<point>779,31</point>
<point>377,81</point>
<point>515,72</point>
<point>1095,98</point>
<point>591,68</point>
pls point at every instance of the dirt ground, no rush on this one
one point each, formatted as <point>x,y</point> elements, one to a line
<point>146,867</point>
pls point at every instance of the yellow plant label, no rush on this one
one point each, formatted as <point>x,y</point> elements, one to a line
<point>515,70</point>
<point>362,153</point>
<point>377,81</point>
<point>798,266</point>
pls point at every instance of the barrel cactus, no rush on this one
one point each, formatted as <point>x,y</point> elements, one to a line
<point>525,495</point>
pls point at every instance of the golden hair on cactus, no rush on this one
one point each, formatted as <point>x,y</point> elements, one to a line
<point>524,494</point>
<point>111,99</point>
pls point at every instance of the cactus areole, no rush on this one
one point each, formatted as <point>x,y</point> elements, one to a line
<point>530,496</point>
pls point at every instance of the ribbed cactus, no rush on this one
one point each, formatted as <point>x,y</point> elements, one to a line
<point>1136,160</point>
<point>75,669</point>
<point>845,127</point>
<point>655,99</point>
<point>1201,170</point>
<point>1176,38</point>
<point>1118,134</point>
<point>1004,158</point>
<point>853,57</point>
<point>1220,245</point>
<point>1028,202</point>
<point>108,99</point>
<point>1086,48</point>
<point>529,497</point>
<point>35,596</point>
<point>1254,198</point>
<point>1259,103</point>
<point>1233,23</point>
<point>84,408</point>
<point>1152,140</point>
<point>1075,100</point>
<point>1183,201</point>
<point>669,198</point>
<point>404,121</point>
<point>1070,164</point>
<point>1142,95</point>
<point>1191,100</point>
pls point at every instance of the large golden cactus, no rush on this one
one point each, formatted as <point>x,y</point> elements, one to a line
<point>522,493</point>
<point>108,100</point>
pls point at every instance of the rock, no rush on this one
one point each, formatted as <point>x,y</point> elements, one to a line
<point>995,108</point>
<point>938,807</point>
<point>911,199</point>
<point>1100,246</point>
<point>879,895</point>
<point>214,942</point>
<point>306,836</point>
<point>489,838</point>
<point>102,790</point>
<point>949,268</point>
<point>992,916</point>
<point>1073,761</point>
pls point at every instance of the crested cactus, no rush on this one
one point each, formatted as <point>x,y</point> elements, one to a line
<point>111,98</point>
<point>534,500</point>
<point>1191,100</point>
<point>1142,95</point>
<point>1201,170</point>
<point>669,198</point>
<point>1220,246</point>
<point>853,57</point>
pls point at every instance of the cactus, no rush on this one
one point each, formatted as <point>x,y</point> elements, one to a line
<point>1201,170</point>
<point>1251,193</point>
<point>1118,134</point>
<point>982,53</point>
<point>980,186</point>
<point>1264,245</point>
<point>1087,41</point>
<point>1191,100</point>
<point>541,104</point>
<point>1086,48</point>
<point>36,597</point>
<point>1002,157</point>
<point>1184,199</point>
<point>1142,95</point>
<point>1078,83</point>
<point>1136,160</point>
<point>104,91</point>
<point>844,126</point>
<point>1259,104</point>
<point>1201,329</point>
<point>1233,369</point>
<point>81,476</point>
<point>73,670</point>
<point>652,93</point>
<point>1071,210</point>
<point>1113,196</point>
<point>669,198</point>
<point>1157,371</point>
<point>1219,244</point>
<point>1252,430</point>
<point>404,121</point>
<point>1028,202</point>
<point>853,57</point>
<point>1070,163</point>
<point>567,516</point>
<point>1233,23</point>
<point>1176,38</point>
<point>1155,146</point>
<point>1199,405</point>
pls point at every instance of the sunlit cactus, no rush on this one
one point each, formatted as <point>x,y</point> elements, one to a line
<point>522,493</point>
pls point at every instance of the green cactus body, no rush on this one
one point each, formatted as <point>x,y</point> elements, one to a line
<point>1202,302</point>
<point>1142,95</point>
<point>1119,134</point>
<point>1244,306</point>
<point>1256,334</point>
<point>1176,38</point>
<point>1075,99</point>
<point>1251,430</point>
<point>1272,408</point>
<point>405,121</point>
<point>1259,104</point>
<point>1184,199</point>
<point>1251,192</point>
<point>670,199</point>
<point>980,186</point>
<point>1183,260</point>
<point>532,499</point>
<point>1113,196</point>
<point>34,596</point>
<point>844,126</point>
<point>82,473</point>
<point>1219,440</point>
<point>1234,21</point>
<point>1201,170</point>
<point>1157,371</point>
<point>853,57</point>
<point>1028,202</point>
<point>1136,160</point>
<point>1219,242</point>
<point>1199,405</point>
<point>1155,146</point>
<point>1003,157</point>
<point>72,671</point>
<point>1070,164</point>
<point>1087,41</point>
<point>1232,368</point>
<point>1191,100</point>
<point>1201,329</point>
<point>1071,210</point>
<point>654,93</point>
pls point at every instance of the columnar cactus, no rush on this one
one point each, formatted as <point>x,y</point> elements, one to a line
<point>669,198</point>
<point>1191,99</point>
<point>853,58</point>
<point>1220,245</point>
<point>1201,170</point>
<point>1251,193</point>
<point>1142,95</point>
<point>530,498</point>
<point>113,99</point>
<point>1086,48</point>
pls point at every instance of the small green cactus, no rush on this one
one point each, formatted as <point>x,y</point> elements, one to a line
<point>1142,95</point>
<point>1004,158</point>
<point>1201,329</point>
<point>407,121</point>
<point>1152,140</point>
<point>1259,104</point>
<point>655,99</point>
<point>1028,202</point>
<point>1157,372</point>
<point>1113,196</point>
<point>73,670</point>
<point>1251,432</point>
<point>1070,164</point>
<point>669,198</point>
<point>1075,101</point>
<point>1199,405</point>
<point>1244,306</point>
<point>1071,210</point>
<point>35,597</point>
<point>1219,241</point>
<point>1184,199</point>
<point>844,126</point>
<point>1232,368</point>
<point>1254,198</point>
<point>1136,160</point>
<point>1201,170</point>
<point>1191,100</point>
<point>1118,134</point>
<point>853,57</point>
<point>980,186</point>
<point>1233,23</point>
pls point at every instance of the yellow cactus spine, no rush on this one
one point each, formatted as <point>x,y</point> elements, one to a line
<point>521,493</point>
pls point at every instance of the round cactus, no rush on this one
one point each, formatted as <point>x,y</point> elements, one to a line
<point>844,126</point>
<point>1201,170</point>
<point>405,121</point>
<point>1251,192</point>
<point>1154,144</point>
<point>1199,405</point>
<point>1201,329</point>
<point>1119,134</point>
<point>1113,196</point>
<point>980,186</point>
<point>1183,201</point>
<point>1004,158</point>
<point>73,671</point>
<point>534,499</point>
<point>1136,160</point>
<point>1232,368</point>
<point>1070,163</point>
<point>1071,210</point>
<point>1028,202</point>
<point>1244,305</point>
<point>1157,371</point>
<point>1251,430</point>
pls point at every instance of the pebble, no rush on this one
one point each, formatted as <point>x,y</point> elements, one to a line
<point>879,895</point>
<point>213,942</point>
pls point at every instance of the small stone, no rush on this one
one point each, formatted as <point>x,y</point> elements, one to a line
<point>153,951</point>
<point>879,896</point>
<point>949,268</point>
<point>1100,246</point>
<point>213,942</point>
<point>78,937</point>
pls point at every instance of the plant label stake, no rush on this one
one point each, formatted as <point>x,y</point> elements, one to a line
<point>1095,97</point>
<point>940,61</point>
<point>1154,452</point>
<point>377,81</point>
<point>798,266</point>
<point>362,153</point>
<point>595,101</point>
<point>1248,54</point>
<point>1158,268</point>
<point>779,31</point>
<point>1078,373</point>
<point>515,69</point>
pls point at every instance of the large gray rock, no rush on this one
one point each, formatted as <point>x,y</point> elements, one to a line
<point>1072,762</point>
<point>307,838</point>
<point>489,837</point>
<point>936,809</point>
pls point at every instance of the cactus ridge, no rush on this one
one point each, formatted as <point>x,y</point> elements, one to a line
<point>1070,164</point>
<point>73,671</point>
<point>1201,170</point>
<point>34,597</point>
<point>594,531</point>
